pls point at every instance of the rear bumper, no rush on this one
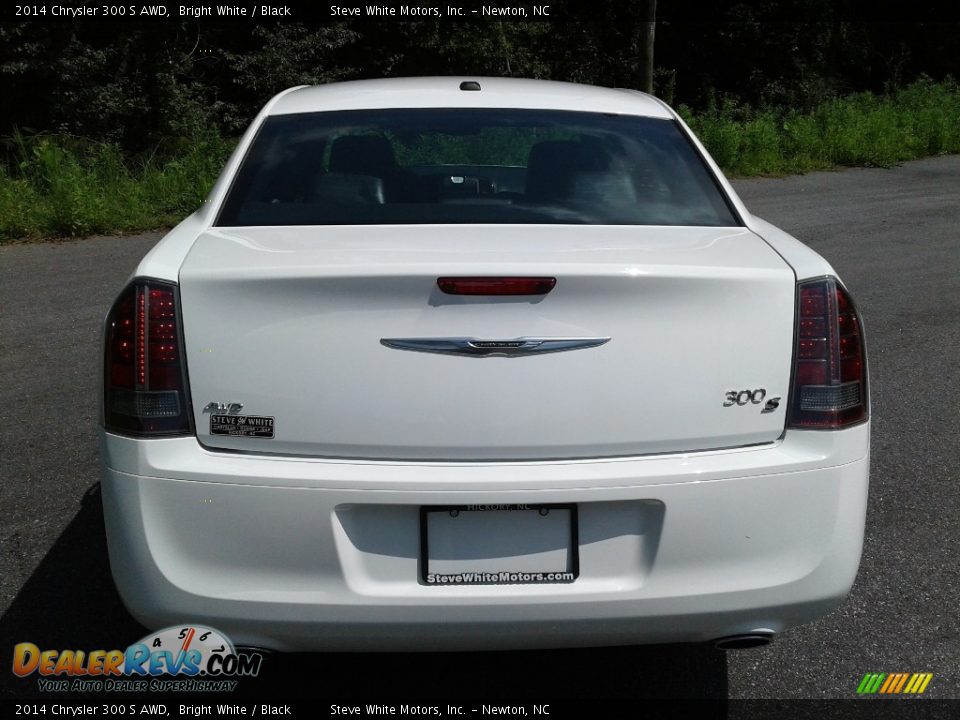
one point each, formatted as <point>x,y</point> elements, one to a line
<point>297,554</point>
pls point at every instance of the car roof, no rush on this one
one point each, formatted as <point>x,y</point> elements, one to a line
<point>435,92</point>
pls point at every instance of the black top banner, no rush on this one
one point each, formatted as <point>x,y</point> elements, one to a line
<point>210,706</point>
<point>340,11</point>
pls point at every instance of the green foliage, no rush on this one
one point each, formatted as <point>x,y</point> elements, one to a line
<point>137,84</point>
<point>860,129</point>
<point>61,186</point>
<point>498,48</point>
<point>510,146</point>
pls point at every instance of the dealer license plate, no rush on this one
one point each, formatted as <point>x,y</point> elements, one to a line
<point>498,544</point>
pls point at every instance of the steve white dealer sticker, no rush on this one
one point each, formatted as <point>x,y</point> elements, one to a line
<point>242,425</point>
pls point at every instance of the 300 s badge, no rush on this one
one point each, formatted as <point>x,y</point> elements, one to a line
<point>753,397</point>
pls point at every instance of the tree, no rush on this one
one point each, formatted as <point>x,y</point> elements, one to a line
<point>647,30</point>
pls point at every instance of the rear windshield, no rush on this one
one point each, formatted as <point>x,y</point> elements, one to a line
<point>441,166</point>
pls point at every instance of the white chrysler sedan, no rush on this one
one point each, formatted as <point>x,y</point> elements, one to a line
<point>482,363</point>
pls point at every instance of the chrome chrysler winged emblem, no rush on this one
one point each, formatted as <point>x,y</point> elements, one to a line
<point>476,347</point>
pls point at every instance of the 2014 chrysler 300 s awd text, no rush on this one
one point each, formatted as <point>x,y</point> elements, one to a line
<point>482,363</point>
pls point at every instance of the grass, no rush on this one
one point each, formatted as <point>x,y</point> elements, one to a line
<point>863,130</point>
<point>60,186</point>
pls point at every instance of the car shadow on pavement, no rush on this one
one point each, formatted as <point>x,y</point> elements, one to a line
<point>70,602</point>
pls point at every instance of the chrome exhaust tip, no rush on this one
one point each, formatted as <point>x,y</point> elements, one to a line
<point>743,642</point>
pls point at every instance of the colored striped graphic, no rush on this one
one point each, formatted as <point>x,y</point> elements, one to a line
<point>894,683</point>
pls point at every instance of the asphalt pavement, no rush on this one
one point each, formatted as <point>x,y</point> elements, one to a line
<point>893,235</point>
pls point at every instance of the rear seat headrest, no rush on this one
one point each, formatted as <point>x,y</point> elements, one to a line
<point>548,168</point>
<point>362,155</point>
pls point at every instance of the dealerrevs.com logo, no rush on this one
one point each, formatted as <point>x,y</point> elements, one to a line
<point>190,658</point>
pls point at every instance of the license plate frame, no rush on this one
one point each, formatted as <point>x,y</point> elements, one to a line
<point>524,577</point>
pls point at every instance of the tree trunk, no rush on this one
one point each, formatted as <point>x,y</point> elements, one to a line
<point>647,28</point>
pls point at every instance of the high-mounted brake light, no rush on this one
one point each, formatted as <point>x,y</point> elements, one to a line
<point>829,389</point>
<point>496,285</point>
<point>144,384</point>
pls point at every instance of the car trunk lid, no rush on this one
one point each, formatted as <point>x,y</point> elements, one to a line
<point>295,324</point>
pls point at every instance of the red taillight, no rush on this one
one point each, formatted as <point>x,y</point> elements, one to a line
<point>829,387</point>
<point>144,378</point>
<point>496,285</point>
